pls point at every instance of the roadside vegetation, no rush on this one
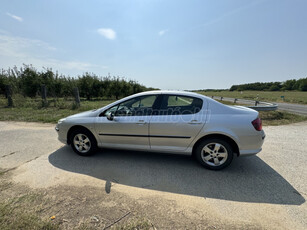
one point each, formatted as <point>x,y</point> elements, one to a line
<point>28,82</point>
<point>31,109</point>
<point>300,84</point>
<point>275,117</point>
<point>280,118</point>
<point>299,97</point>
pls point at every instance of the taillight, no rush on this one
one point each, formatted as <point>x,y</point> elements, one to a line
<point>257,123</point>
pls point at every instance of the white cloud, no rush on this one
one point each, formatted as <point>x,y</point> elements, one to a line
<point>162,32</point>
<point>17,46</point>
<point>107,33</point>
<point>18,50</point>
<point>20,19</point>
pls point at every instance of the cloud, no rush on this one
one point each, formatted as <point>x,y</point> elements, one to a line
<point>20,19</point>
<point>107,33</point>
<point>16,46</point>
<point>162,32</point>
<point>16,50</point>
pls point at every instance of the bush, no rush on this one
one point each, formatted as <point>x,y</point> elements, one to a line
<point>28,81</point>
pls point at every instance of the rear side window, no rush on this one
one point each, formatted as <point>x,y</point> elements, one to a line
<point>180,105</point>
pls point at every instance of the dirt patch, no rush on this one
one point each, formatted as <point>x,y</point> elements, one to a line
<point>88,207</point>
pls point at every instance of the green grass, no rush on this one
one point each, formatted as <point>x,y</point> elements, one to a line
<point>269,96</point>
<point>31,110</point>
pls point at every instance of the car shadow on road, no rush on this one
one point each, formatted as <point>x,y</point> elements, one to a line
<point>247,179</point>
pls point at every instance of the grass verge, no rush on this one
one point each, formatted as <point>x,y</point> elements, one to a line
<point>275,117</point>
<point>16,214</point>
<point>280,118</point>
<point>31,110</point>
<point>269,96</point>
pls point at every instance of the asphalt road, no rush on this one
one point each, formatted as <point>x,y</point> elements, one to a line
<point>293,108</point>
<point>268,190</point>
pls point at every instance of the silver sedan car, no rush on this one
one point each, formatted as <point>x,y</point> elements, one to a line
<point>169,122</point>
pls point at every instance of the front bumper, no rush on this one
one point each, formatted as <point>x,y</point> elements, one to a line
<point>61,134</point>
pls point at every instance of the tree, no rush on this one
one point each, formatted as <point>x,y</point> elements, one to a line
<point>303,84</point>
<point>3,82</point>
<point>85,84</point>
<point>30,82</point>
<point>289,84</point>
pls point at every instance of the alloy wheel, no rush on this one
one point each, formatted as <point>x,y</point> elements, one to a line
<point>214,154</point>
<point>82,143</point>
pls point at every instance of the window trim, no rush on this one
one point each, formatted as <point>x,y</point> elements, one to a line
<point>178,95</point>
<point>102,114</point>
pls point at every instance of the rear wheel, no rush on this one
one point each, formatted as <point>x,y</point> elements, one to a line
<point>214,154</point>
<point>83,142</point>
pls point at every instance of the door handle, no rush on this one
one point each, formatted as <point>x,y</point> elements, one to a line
<point>195,122</point>
<point>141,122</point>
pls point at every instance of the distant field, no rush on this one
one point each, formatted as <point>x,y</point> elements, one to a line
<point>269,96</point>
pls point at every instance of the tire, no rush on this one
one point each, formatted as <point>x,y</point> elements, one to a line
<point>83,142</point>
<point>214,154</point>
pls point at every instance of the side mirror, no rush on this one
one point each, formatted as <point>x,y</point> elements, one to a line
<point>110,116</point>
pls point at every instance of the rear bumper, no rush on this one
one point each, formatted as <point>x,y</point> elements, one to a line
<point>252,144</point>
<point>249,152</point>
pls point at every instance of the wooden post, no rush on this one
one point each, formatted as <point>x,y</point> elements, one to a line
<point>77,97</point>
<point>44,95</point>
<point>8,92</point>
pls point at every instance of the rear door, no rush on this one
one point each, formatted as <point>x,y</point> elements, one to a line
<point>178,121</point>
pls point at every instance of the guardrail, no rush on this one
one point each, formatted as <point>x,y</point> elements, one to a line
<point>256,105</point>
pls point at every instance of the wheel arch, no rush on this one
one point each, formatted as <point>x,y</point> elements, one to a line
<point>224,137</point>
<point>76,127</point>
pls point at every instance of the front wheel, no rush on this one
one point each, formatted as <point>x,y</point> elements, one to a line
<point>83,142</point>
<point>214,154</point>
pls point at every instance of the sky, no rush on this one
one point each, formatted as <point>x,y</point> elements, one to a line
<point>166,44</point>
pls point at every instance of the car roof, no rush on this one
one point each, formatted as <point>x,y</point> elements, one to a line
<point>177,92</point>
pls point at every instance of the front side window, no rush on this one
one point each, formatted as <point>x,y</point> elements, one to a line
<point>139,106</point>
<point>177,105</point>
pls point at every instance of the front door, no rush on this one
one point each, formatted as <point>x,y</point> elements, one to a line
<point>129,127</point>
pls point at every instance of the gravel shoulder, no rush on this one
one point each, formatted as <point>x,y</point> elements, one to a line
<point>267,191</point>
